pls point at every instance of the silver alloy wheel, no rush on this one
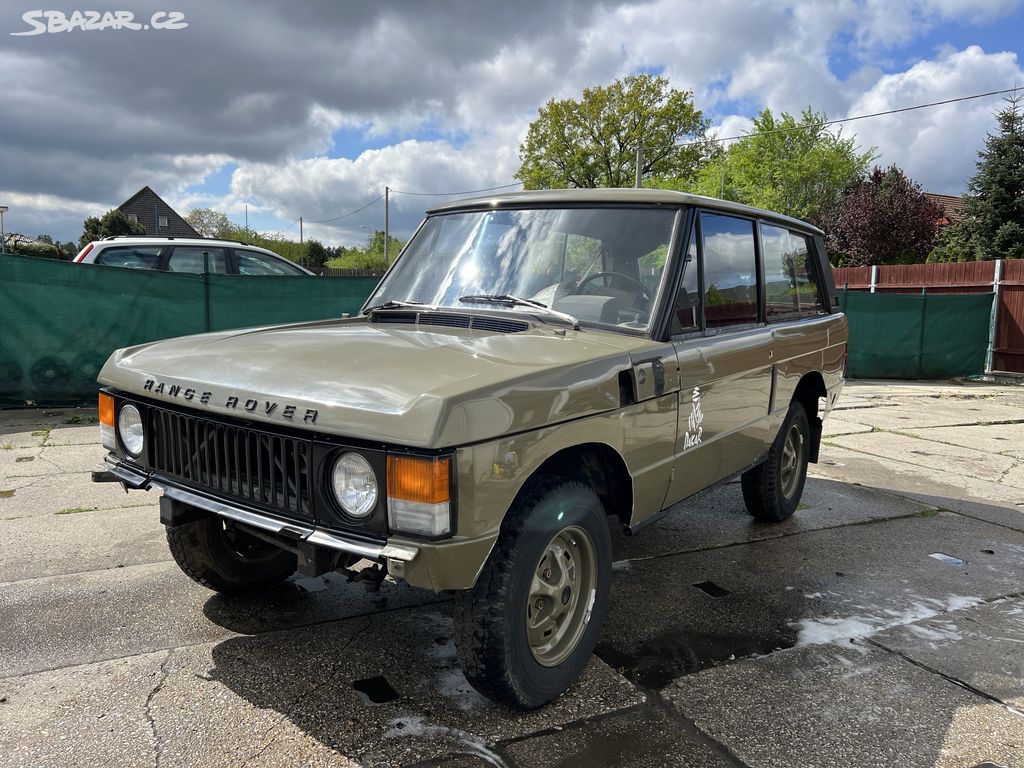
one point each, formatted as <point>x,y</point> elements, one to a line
<point>561,596</point>
<point>792,458</point>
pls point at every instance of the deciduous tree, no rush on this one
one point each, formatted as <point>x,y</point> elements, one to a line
<point>113,222</point>
<point>592,141</point>
<point>798,167</point>
<point>882,219</point>
<point>210,223</point>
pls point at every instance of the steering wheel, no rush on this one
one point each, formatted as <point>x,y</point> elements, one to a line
<point>642,291</point>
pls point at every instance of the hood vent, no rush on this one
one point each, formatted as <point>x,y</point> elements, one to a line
<point>451,320</point>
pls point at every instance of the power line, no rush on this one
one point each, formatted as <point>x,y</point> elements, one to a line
<point>855,117</point>
<point>285,229</point>
<point>463,192</point>
<point>345,215</point>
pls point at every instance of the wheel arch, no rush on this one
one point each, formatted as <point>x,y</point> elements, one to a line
<point>598,466</point>
<point>810,388</point>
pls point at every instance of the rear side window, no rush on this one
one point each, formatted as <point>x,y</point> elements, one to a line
<point>790,283</point>
<point>196,260</point>
<point>256,263</point>
<point>131,257</point>
<point>730,270</point>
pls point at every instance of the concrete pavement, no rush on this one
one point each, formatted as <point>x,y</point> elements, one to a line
<point>882,625</point>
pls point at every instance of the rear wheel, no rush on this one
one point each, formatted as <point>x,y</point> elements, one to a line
<point>218,555</point>
<point>528,628</point>
<point>772,489</point>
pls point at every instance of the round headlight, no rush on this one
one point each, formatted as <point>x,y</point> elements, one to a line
<point>129,427</point>
<point>355,484</point>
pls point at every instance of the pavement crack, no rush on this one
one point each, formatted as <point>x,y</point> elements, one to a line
<point>289,706</point>
<point>158,745</point>
<point>945,676</point>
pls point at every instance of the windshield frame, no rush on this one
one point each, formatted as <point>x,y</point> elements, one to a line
<point>655,319</point>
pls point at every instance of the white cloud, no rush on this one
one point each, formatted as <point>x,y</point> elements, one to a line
<point>937,146</point>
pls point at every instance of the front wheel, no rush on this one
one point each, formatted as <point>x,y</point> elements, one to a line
<point>223,558</point>
<point>772,489</point>
<point>526,631</point>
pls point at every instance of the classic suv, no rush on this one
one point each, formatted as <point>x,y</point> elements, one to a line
<point>192,255</point>
<point>531,365</point>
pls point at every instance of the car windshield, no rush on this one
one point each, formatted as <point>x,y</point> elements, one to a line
<point>599,265</point>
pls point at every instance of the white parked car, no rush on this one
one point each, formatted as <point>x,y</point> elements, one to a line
<point>193,255</point>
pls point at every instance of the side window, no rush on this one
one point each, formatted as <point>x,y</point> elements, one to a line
<point>730,270</point>
<point>196,260</point>
<point>256,263</point>
<point>686,312</point>
<point>131,257</point>
<point>790,286</point>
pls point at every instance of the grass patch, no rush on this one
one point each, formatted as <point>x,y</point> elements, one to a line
<point>6,446</point>
<point>803,506</point>
<point>6,494</point>
<point>928,513</point>
<point>43,433</point>
<point>74,510</point>
<point>81,418</point>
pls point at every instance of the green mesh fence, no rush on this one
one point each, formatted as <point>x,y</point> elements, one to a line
<point>916,336</point>
<point>60,321</point>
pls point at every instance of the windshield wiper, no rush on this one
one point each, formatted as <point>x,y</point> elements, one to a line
<point>515,301</point>
<point>395,304</point>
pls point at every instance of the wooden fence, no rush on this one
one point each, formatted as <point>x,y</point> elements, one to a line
<point>1006,278</point>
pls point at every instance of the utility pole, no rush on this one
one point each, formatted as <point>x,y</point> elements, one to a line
<point>247,221</point>
<point>639,163</point>
<point>300,230</point>
<point>387,232</point>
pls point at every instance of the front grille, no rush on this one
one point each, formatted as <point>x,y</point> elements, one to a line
<point>264,469</point>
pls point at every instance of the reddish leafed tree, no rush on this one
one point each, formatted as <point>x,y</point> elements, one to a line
<point>884,218</point>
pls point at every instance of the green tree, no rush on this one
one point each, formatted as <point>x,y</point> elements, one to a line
<point>592,142</point>
<point>797,167</point>
<point>113,222</point>
<point>210,223</point>
<point>993,222</point>
<point>995,208</point>
<point>368,256</point>
<point>316,254</point>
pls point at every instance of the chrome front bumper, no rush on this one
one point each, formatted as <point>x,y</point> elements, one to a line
<point>293,532</point>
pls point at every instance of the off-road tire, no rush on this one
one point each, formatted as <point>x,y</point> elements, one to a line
<point>490,619</point>
<point>764,486</point>
<point>204,551</point>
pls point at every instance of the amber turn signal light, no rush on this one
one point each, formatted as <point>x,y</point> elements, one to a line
<point>415,478</point>
<point>106,410</point>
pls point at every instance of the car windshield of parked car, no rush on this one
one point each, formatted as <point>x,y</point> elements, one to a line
<point>600,265</point>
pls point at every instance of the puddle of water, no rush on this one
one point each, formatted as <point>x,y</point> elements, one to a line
<point>661,660</point>
<point>947,559</point>
<point>712,589</point>
<point>375,690</point>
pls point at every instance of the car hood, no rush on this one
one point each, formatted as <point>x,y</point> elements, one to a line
<point>388,383</point>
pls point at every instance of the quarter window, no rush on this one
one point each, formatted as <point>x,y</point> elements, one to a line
<point>686,312</point>
<point>255,263</point>
<point>730,270</point>
<point>790,286</point>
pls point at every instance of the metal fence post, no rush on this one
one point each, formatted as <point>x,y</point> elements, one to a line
<point>874,277</point>
<point>997,280</point>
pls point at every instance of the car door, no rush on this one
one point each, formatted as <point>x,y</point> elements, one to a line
<point>724,353</point>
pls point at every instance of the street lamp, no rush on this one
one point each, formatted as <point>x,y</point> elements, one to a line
<point>3,210</point>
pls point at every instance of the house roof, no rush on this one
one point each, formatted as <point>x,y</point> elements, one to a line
<point>148,207</point>
<point>953,205</point>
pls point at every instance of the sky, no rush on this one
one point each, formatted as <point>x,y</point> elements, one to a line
<point>310,109</point>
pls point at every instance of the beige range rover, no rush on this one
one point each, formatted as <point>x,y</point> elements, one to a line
<point>532,365</point>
